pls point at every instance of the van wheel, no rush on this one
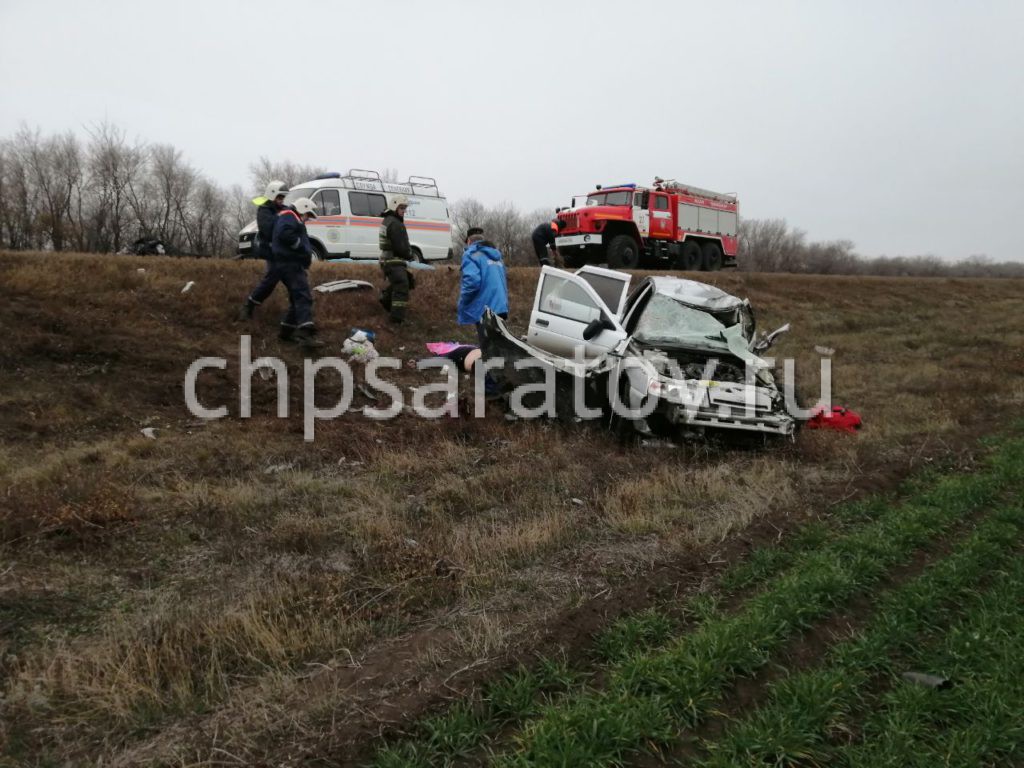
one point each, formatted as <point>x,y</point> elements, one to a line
<point>417,254</point>
<point>712,257</point>
<point>319,252</point>
<point>623,253</point>
<point>690,257</point>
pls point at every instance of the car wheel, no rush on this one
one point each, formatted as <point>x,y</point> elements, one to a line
<point>623,253</point>
<point>319,252</point>
<point>417,254</point>
<point>691,257</point>
<point>712,257</point>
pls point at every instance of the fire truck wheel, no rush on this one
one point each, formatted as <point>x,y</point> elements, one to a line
<point>691,258</point>
<point>712,257</point>
<point>623,253</point>
<point>574,260</point>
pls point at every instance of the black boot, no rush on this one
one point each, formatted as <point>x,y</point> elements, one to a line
<point>307,339</point>
<point>245,313</point>
<point>287,333</point>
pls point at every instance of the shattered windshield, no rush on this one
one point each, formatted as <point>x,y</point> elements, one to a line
<point>610,198</point>
<point>666,320</point>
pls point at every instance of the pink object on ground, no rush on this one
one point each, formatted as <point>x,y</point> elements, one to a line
<point>443,347</point>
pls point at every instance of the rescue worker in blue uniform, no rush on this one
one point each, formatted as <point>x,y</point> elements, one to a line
<point>291,255</point>
<point>484,283</point>
<point>395,254</point>
<point>271,204</point>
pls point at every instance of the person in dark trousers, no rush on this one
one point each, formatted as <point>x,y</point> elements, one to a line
<point>271,204</point>
<point>484,284</point>
<point>291,255</point>
<point>395,254</point>
<point>543,239</point>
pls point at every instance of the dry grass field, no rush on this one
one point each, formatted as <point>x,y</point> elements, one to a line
<point>230,594</point>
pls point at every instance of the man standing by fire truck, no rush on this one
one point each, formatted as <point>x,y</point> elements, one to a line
<point>544,239</point>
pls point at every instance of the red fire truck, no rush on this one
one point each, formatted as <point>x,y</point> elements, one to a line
<point>631,227</point>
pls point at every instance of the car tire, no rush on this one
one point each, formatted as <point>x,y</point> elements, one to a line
<point>417,254</point>
<point>691,258</point>
<point>623,253</point>
<point>319,252</point>
<point>712,257</point>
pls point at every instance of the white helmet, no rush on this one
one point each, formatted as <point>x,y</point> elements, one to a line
<point>275,189</point>
<point>304,205</point>
<point>396,200</point>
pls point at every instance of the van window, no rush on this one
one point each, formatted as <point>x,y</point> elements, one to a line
<point>328,202</point>
<point>367,204</point>
<point>428,208</point>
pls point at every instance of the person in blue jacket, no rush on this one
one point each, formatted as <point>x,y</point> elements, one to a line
<point>484,284</point>
<point>291,256</point>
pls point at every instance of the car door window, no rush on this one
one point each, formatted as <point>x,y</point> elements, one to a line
<point>610,286</point>
<point>562,297</point>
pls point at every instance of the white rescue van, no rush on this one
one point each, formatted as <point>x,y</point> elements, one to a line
<point>349,209</point>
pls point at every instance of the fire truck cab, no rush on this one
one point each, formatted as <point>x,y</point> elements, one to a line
<point>669,223</point>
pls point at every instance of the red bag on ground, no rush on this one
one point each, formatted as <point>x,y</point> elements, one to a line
<point>839,417</point>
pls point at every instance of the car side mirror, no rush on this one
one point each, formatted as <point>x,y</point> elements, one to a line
<point>595,326</point>
<point>767,339</point>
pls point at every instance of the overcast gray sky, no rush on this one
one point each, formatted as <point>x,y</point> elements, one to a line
<point>897,125</point>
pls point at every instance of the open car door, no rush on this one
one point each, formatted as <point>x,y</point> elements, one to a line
<point>611,286</point>
<point>564,308</point>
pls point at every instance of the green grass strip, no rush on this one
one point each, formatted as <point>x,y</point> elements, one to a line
<point>651,695</point>
<point>453,736</point>
<point>979,720</point>
<point>808,713</point>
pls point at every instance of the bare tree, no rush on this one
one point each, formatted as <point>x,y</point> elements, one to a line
<point>263,171</point>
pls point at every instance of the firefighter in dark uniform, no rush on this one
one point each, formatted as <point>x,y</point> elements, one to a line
<point>292,255</point>
<point>395,254</point>
<point>543,238</point>
<point>271,204</point>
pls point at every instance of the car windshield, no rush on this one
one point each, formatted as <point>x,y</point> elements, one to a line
<point>665,320</point>
<point>622,197</point>
<point>295,194</point>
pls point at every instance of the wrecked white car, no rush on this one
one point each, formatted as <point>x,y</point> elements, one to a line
<point>674,357</point>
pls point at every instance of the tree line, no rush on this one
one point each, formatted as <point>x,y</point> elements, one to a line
<point>102,194</point>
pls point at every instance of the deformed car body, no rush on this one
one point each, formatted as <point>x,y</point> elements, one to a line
<point>680,356</point>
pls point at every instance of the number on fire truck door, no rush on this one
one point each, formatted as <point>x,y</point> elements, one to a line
<point>661,216</point>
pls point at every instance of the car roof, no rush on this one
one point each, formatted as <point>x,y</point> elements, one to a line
<point>694,293</point>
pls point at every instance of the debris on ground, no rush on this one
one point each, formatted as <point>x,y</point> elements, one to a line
<point>149,432</point>
<point>188,286</point>
<point>368,393</point>
<point>655,443</point>
<point>826,351</point>
<point>275,469</point>
<point>358,347</point>
<point>839,418</point>
<point>928,681</point>
<point>342,285</point>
